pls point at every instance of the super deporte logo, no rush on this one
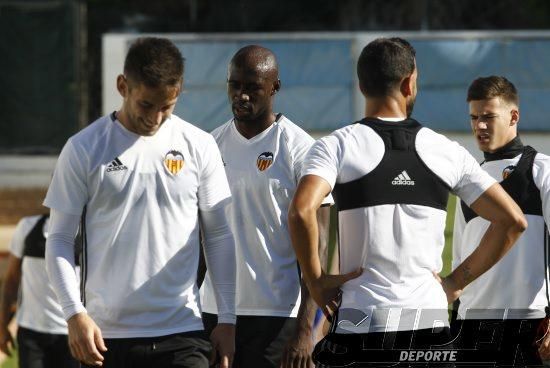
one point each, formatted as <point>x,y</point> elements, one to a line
<point>116,165</point>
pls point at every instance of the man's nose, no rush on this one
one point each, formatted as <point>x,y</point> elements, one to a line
<point>480,124</point>
<point>157,117</point>
<point>243,96</point>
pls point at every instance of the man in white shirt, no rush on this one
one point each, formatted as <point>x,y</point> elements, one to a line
<point>263,153</point>
<point>142,181</point>
<point>510,299</point>
<point>390,178</point>
<point>41,328</point>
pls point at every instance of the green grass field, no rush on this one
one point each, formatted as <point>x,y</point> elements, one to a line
<point>10,363</point>
<point>448,251</point>
<point>447,256</point>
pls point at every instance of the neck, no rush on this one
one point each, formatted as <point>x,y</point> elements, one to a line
<point>121,116</point>
<point>250,129</point>
<point>385,107</point>
<point>509,150</point>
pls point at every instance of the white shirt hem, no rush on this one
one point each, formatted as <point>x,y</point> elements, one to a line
<point>150,333</point>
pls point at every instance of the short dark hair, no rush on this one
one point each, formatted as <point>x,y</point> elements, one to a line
<point>383,63</point>
<point>154,62</point>
<point>485,88</point>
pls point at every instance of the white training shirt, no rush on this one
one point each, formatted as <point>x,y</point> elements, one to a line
<point>38,309</point>
<point>263,173</point>
<point>142,197</point>
<point>514,288</point>
<point>399,246</point>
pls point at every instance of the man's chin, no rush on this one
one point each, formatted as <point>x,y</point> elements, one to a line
<point>486,148</point>
<point>149,131</point>
<point>242,117</point>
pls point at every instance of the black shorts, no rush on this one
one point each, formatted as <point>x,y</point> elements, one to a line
<point>185,350</point>
<point>259,340</point>
<point>43,350</point>
<point>497,342</point>
<point>419,348</point>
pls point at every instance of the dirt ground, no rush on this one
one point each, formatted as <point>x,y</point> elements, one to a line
<point>14,204</point>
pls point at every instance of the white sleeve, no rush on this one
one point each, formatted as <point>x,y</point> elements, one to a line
<point>453,164</point>
<point>60,261</point>
<point>213,186</point>
<point>68,191</point>
<point>299,155</point>
<point>541,175</point>
<point>474,181</point>
<point>458,230</point>
<point>323,159</point>
<point>17,243</point>
<point>219,252</point>
<point>299,148</point>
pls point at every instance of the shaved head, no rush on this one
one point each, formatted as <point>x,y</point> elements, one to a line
<point>257,58</point>
<point>252,82</point>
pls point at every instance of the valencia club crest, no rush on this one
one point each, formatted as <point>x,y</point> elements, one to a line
<point>264,161</point>
<point>507,171</point>
<point>173,161</point>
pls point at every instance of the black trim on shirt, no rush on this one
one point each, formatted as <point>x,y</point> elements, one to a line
<point>510,150</point>
<point>83,256</point>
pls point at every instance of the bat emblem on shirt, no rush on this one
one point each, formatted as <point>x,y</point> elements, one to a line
<point>264,161</point>
<point>174,161</point>
<point>507,171</point>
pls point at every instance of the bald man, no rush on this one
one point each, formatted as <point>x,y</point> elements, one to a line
<point>263,153</point>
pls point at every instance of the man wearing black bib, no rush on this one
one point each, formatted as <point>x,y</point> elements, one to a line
<point>508,302</point>
<point>42,330</point>
<point>390,178</point>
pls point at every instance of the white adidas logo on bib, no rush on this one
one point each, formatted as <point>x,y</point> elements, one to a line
<point>403,179</point>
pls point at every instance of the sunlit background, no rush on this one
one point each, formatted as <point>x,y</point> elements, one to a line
<point>59,60</point>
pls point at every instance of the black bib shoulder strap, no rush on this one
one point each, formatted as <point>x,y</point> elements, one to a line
<point>518,182</point>
<point>399,136</point>
<point>35,241</point>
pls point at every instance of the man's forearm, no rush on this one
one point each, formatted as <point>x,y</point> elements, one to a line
<point>219,252</point>
<point>304,235</point>
<point>60,262</point>
<point>61,273</point>
<point>9,300</point>
<point>306,313</point>
<point>498,239</point>
<point>308,307</point>
<point>323,226</point>
<point>507,222</point>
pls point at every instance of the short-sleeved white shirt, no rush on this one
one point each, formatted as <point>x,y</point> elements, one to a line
<point>142,197</point>
<point>38,308</point>
<point>399,246</point>
<point>515,287</point>
<point>263,173</point>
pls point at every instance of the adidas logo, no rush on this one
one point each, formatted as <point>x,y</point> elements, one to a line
<point>402,179</point>
<point>116,165</point>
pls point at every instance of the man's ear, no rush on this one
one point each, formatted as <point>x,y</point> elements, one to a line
<point>515,117</point>
<point>276,87</point>
<point>180,88</point>
<point>362,89</point>
<point>406,87</point>
<point>122,85</point>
